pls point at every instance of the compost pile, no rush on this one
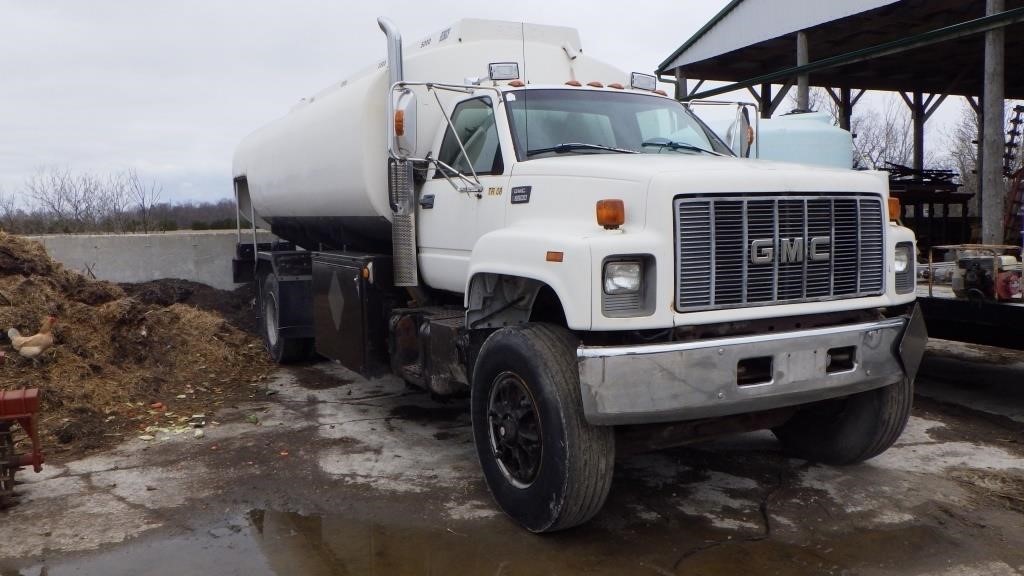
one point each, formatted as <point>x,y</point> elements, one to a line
<point>121,364</point>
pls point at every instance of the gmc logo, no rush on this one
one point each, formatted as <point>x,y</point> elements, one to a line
<point>790,250</point>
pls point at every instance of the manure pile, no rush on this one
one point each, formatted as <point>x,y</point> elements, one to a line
<point>120,365</point>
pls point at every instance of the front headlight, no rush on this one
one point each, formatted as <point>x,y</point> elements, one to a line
<point>902,260</point>
<point>622,277</point>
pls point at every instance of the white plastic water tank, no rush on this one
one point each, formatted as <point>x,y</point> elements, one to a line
<point>807,138</point>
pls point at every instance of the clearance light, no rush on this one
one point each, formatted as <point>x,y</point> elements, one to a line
<point>573,83</point>
<point>642,81</point>
<point>399,122</point>
<point>553,256</point>
<point>517,84</point>
<point>611,213</point>
<point>894,209</point>
<point>615,85</point>
<point>661,93</point>
<point>595,84</point>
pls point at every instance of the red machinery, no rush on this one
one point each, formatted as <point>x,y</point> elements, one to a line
<point>17,406</point>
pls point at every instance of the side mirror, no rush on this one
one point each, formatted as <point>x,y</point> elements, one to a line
<point>740,134</point>
<point>403,124</point>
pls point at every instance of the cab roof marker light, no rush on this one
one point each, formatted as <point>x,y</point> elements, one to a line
<point>616,85</point>
<point>573,83</point>
<point>595,84</point>
<point>641,81</point>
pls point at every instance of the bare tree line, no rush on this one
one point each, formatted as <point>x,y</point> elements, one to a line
<point>59,201</point>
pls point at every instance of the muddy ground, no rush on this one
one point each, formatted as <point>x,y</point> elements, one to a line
<point>334,474</point>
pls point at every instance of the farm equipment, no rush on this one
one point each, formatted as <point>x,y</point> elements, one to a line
<point>20,407</point>
<point>984,272</point>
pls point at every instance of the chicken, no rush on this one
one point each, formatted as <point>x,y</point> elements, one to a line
<point>33,346</point>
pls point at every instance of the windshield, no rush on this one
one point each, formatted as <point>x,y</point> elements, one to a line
<point>554,122</point>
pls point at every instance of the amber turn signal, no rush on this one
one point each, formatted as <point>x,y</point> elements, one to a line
<point>399,122</point>
<point>553,256</point>
<point>894,209</point>
<point>611,213</point>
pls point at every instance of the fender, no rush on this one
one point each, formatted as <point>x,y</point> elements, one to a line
<point>523,252</point>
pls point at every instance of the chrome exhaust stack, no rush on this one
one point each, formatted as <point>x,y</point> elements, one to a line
<point>395,72</point>
<point>401,191</point>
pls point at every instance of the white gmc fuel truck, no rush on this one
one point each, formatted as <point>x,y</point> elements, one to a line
<point>494,213</point>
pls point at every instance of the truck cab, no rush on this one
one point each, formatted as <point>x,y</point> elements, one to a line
<point>590,264</point>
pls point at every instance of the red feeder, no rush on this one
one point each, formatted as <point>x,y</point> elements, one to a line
<point>21,407</point>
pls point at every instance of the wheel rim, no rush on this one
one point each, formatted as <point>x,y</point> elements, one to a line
<point>270,319</point>
<point>513,426</point>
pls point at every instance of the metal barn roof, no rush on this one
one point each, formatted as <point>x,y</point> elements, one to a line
<point>933,46</point>
<point>745,22</point>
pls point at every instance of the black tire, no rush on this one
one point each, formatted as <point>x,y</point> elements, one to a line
<point>573,471</point>
<point>849,430</point>
<point>282,350</point>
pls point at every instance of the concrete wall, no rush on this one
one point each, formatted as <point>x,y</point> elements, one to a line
<point>201,256</point>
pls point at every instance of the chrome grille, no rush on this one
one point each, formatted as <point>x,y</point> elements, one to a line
<point>714,266</point>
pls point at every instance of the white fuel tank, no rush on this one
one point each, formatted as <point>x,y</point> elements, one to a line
<point>327,158</point>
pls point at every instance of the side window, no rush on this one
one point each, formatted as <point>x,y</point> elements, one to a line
<point>474,123</point>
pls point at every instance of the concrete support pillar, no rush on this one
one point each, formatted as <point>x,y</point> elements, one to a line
<point>803,91</point>
<point>917,113</point>
<point>681,87</point>
<point>992,187</point>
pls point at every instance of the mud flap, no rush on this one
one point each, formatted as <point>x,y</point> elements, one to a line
<point>912,343</point>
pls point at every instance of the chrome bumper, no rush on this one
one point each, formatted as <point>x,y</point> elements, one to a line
<point>691,380</point>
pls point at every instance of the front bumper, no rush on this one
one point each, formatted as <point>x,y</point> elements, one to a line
<point>692,380</point>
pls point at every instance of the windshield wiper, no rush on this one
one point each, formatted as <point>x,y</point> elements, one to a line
<point>673,145</point>
<point>570,146</point>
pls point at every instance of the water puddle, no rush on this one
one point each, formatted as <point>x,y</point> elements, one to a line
<point>268,542</point>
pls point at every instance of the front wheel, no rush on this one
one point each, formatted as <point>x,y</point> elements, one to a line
<point>849,430</point>
<point>544,464</point>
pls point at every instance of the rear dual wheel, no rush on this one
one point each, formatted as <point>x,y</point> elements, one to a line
<point>546,467</point>
<point>282,350</point>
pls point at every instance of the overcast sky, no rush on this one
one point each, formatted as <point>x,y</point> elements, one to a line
<point>169,87</point>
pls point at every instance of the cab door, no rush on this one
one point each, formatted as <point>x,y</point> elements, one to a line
<point>448,220</point>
